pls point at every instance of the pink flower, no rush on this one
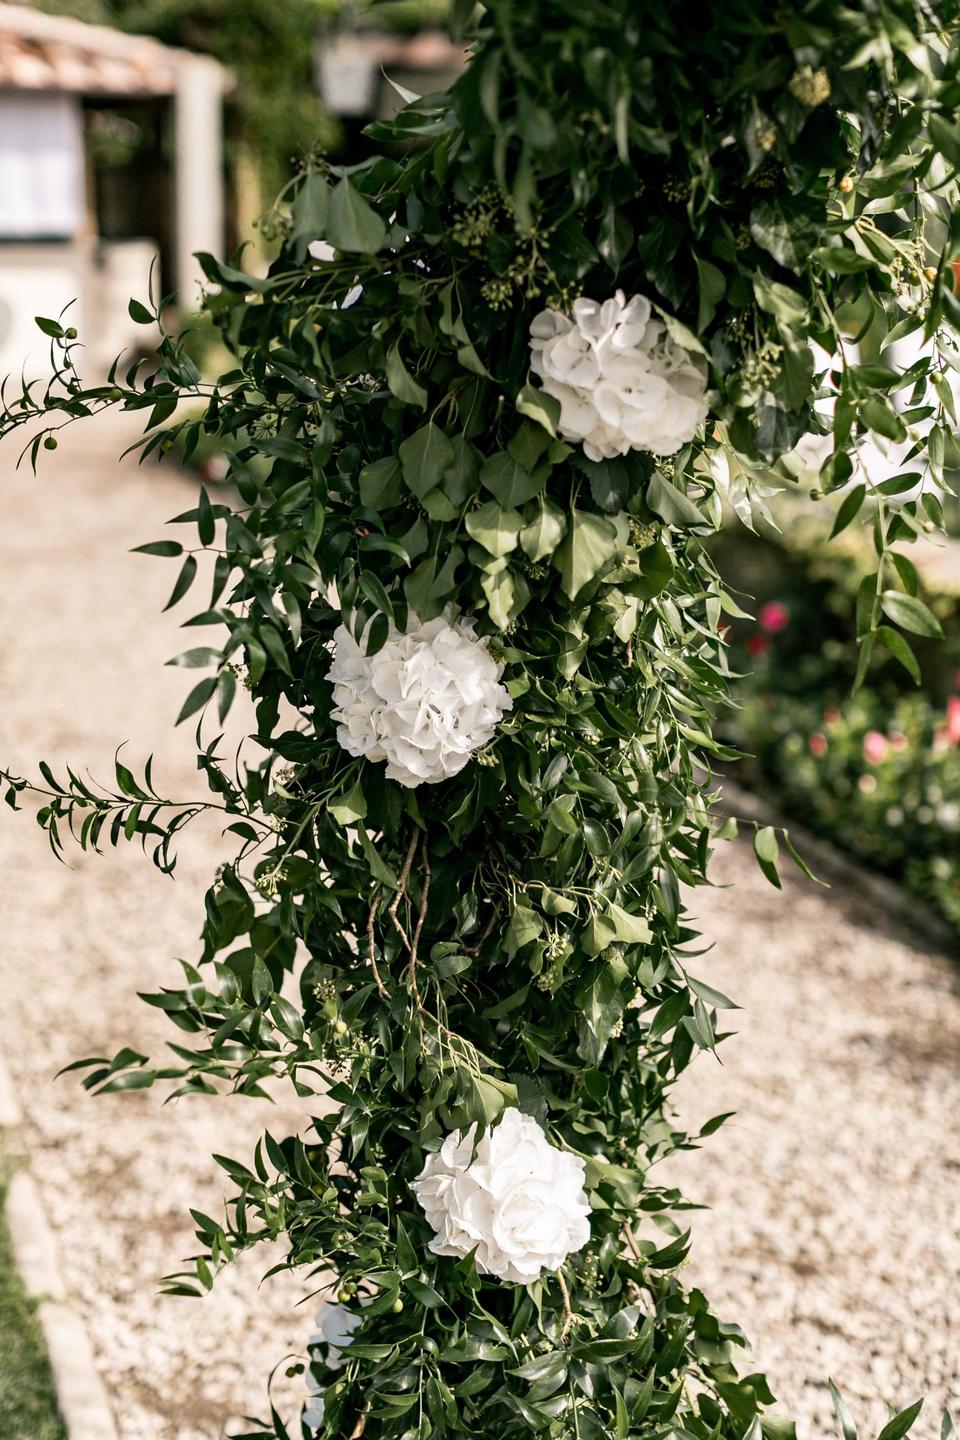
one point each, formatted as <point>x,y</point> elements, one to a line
<point>898,741</point>
<point>832,715</point>
<point>953,719</point>
<point>757,644</point>
<point>818,744</point>
<point>875,747</point>
<point>774,617</point>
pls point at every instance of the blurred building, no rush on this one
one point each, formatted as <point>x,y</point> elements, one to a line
<point>74,227</point>
<point>356,61</point>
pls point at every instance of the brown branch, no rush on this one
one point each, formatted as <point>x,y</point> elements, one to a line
<point>568,1316</point>
<point>361,1424</point>
<point>418,931</point>
<point>401,890</point>
<point>384,992</point>
<point>425,862</point>
<point>632,1243</point>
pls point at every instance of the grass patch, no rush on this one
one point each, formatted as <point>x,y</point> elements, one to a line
<point>28,1407</point>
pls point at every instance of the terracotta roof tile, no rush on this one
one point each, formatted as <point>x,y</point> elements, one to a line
<point>56,52</point>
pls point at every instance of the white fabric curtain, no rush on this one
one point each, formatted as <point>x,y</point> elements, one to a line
<point>41,166</point>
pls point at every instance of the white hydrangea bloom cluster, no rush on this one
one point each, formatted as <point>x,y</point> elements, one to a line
<point>514,1199</point>
<point>423,703</point>
<point>335,1327</point>
<point>622,382</point>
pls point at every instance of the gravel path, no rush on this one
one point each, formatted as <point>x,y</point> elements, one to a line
<point>833,1233</point>
<point>835,1190</point>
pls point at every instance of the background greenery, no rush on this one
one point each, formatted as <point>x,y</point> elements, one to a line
<point>879,772</point>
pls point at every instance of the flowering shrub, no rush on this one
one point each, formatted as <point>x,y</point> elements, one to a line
<point>879,773</point>
<point>882,782</point>
<point>509,948</point>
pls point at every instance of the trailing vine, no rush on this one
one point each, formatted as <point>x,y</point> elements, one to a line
<point>506,942</point>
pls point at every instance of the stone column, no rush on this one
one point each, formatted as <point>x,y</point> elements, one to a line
<point>199,170</point>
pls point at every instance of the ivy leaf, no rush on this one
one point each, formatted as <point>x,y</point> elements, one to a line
<point>462,474</point>
<point>309,213</point>
<point>508,481</point>
<point>544,533</point>
<point>496,529</point>
<point>657,567</point>
<point>601,1006</point>
<point>428,586</point>
<point>401,382</point>
<point>711,287</point>
<point>425,456</point>
<point>610,482</point>
<point>786,230</point>
<point>507,593</point>
<point>588,549</point>
<point>349,808</point>
<point>539,406</point>
<point>353,225</point>
<point>839,260</point>
<point>379,482</point>
<point>671,504</point>
<point>614,925</point>
<point>524,925</point>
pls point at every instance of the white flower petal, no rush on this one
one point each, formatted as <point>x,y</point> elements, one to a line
<point>424,703</point>
<point>622,383</point>
<point>514,1200</point>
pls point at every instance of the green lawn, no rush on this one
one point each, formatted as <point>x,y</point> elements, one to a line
<point>28,1409</point>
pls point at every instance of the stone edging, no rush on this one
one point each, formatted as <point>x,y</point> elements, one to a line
<point>81,1396</point>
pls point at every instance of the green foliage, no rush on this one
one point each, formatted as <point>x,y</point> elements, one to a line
<point>517,935</point>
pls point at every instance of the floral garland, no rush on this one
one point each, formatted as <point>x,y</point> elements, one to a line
<point>460,567</point>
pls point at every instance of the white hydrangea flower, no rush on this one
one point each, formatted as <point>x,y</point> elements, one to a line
<point>423,703</point>
<point>335,1327</point>
<point>514,1199</point>
<point>622,382</point>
